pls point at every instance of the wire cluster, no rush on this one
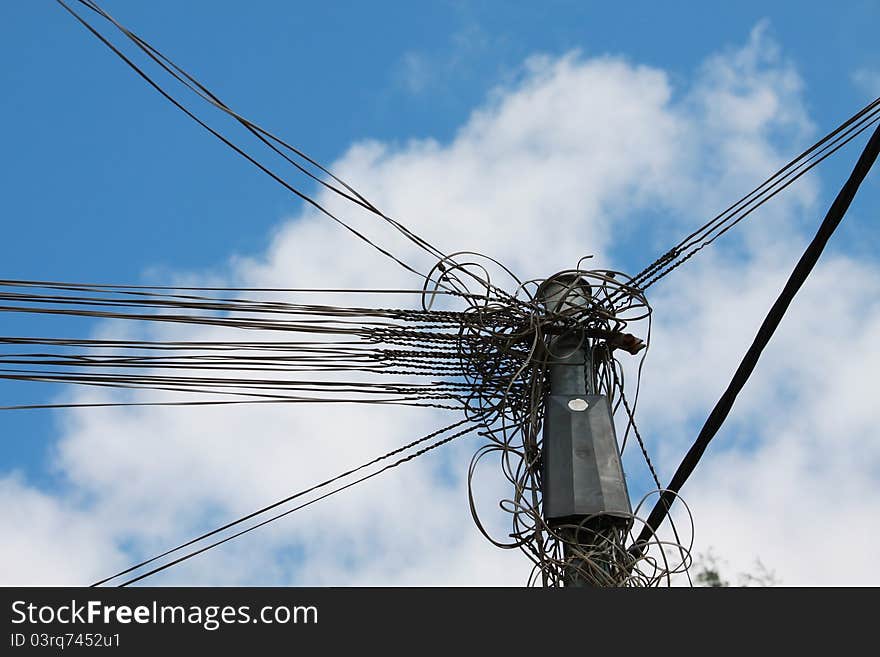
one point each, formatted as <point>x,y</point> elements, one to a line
<point>506,365</point>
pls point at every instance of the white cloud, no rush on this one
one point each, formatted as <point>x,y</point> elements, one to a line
<point>868,81</point>
<point>562,163</point>
<point>414,72</point>
<point>794,474</point>
<point>420,71</point>
<point>50,541</point>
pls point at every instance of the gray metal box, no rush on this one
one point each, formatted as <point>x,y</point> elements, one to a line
<point>582,469</point>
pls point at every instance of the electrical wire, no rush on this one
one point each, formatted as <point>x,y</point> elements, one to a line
<point>488,357</point>
<point>478,353</point>
<point>732,216</point>
<point>771,322</point>
<point>275,505</point>
<point>275,144</point>
<point>239,150</point>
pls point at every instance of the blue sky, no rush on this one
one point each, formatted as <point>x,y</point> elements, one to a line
<point>104,181</point>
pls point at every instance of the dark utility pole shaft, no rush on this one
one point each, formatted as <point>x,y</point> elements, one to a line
<point>584,491</point>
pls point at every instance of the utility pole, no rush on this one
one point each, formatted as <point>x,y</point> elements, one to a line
<point>585,499</point>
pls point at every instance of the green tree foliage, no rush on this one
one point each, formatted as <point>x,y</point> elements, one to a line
<point>707,572</point>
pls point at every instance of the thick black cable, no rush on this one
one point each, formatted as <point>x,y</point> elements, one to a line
<point>798,276</point>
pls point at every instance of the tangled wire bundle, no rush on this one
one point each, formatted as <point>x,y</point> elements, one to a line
<point>490,357</point>
<point>506,347</point>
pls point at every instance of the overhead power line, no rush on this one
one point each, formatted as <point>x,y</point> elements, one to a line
<point>200,539</point>
<point>768,327</point>
<point>706,234</point>
<point>496,357</point>
<point>303,352</point>
<point>266,138</point>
